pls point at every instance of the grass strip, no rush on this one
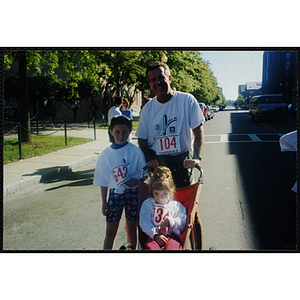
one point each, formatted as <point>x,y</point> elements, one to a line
<point>39,145</point>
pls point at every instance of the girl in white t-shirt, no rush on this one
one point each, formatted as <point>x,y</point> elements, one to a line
<point>162,218</point>
<point>117,172</point>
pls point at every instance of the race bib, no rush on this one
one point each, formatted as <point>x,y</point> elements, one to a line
<point>159,214</point>
<point>120,173</point>
<point>168,144</point>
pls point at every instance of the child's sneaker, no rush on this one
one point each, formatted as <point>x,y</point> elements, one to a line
<point>126,246</point>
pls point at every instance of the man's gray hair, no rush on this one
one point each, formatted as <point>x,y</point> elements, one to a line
<point>155,65</point>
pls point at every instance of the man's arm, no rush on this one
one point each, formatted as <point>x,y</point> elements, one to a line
<point>198,147</point>
<point>143,144</point>
<point>198,140</point>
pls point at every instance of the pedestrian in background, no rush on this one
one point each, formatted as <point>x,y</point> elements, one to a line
<point>125,109</point>
<point>93,108</point>
<point>47,111</point>
<point>145,100</point>
<point>104,110</point>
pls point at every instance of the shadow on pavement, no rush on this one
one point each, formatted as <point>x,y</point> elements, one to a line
<point>73,179</point>
<point>62,174</point>
<point>267,176</point>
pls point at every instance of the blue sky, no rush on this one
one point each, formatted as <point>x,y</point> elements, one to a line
<point>233,68</point>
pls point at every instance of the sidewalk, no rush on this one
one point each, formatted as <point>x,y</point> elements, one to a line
<point>27,172</point>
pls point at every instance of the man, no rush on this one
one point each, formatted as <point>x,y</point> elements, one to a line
<point>167,126</point>
<point>114,111</point>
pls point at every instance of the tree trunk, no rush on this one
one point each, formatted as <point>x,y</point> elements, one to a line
<point>75,113</point>
<point>24,103</point>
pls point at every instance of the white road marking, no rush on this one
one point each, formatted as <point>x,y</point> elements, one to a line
<point>224,138</point>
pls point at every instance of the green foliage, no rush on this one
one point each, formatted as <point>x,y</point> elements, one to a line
<point>239,100</point>
<point>92,73</point>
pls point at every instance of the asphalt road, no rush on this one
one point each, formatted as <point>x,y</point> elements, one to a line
<point>246,201</point>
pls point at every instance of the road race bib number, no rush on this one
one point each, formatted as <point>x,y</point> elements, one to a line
<point>120,174</point>
<point>168,144</point>
<point>159,214</point>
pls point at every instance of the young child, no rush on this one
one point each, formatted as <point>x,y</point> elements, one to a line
<point>118,170</point>
<point>162,218</point>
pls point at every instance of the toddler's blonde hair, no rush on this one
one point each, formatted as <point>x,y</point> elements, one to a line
<point>161,179</point>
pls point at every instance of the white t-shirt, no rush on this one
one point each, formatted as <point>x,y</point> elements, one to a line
<point>113,111</point>
<point>288,142</point>
<point>168,126</point>
<point>116,166</point>
<point>152,214</point>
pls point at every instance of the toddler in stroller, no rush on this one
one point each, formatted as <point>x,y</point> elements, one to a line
<point>162,218</point>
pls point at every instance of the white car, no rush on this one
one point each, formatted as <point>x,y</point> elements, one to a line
<point>215,107</point>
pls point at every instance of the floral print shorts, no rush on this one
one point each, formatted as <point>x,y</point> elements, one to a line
<point>116,202</point>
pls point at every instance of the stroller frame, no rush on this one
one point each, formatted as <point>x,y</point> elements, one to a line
<point>189,198</point>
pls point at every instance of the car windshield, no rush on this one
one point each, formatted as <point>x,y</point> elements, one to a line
<point>270,99</point>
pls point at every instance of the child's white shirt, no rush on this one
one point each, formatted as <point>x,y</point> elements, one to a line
<point>151,214</point>
<point>116,166</point>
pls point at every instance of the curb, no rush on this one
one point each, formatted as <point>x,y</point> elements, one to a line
<point>35,179</point>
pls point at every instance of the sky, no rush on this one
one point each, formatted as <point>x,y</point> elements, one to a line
<point>234,68</point>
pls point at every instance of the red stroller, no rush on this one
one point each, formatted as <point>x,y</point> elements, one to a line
<point>188,197</point>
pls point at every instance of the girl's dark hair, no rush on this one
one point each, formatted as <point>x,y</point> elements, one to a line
<point>120,120</point>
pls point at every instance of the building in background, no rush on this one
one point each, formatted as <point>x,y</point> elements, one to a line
<point>250,89</point>
<point>280,74</point>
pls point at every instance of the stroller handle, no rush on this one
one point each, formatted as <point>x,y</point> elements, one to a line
<point>198,167</point>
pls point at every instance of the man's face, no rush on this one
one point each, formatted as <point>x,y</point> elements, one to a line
<point>160,83</point>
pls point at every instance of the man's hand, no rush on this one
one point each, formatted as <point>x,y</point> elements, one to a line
<point>152,164</point>
<point>191,163</point>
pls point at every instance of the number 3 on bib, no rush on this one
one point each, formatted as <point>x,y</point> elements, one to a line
<point>159,214</point>
<point>167,144</point>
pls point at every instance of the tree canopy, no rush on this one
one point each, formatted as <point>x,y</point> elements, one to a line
<point>71,76</point>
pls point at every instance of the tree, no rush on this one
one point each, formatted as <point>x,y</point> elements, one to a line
<point>24,107</point>
<point>87,74</point>
<point>28,60</point>
<point>239,100</point>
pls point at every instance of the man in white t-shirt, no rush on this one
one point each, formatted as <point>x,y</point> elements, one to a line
<point>114,111</point>
<point>170,130</point>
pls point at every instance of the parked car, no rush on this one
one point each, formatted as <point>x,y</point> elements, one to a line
<point>215,108</point>
<point>204,110</point>
<point>8,111</point>
<point>221,107</point>
<point>210,113</point>
<point>268,106</point>
<point>292,109</point>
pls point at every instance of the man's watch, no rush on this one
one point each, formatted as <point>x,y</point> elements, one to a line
<point>196,157</point>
